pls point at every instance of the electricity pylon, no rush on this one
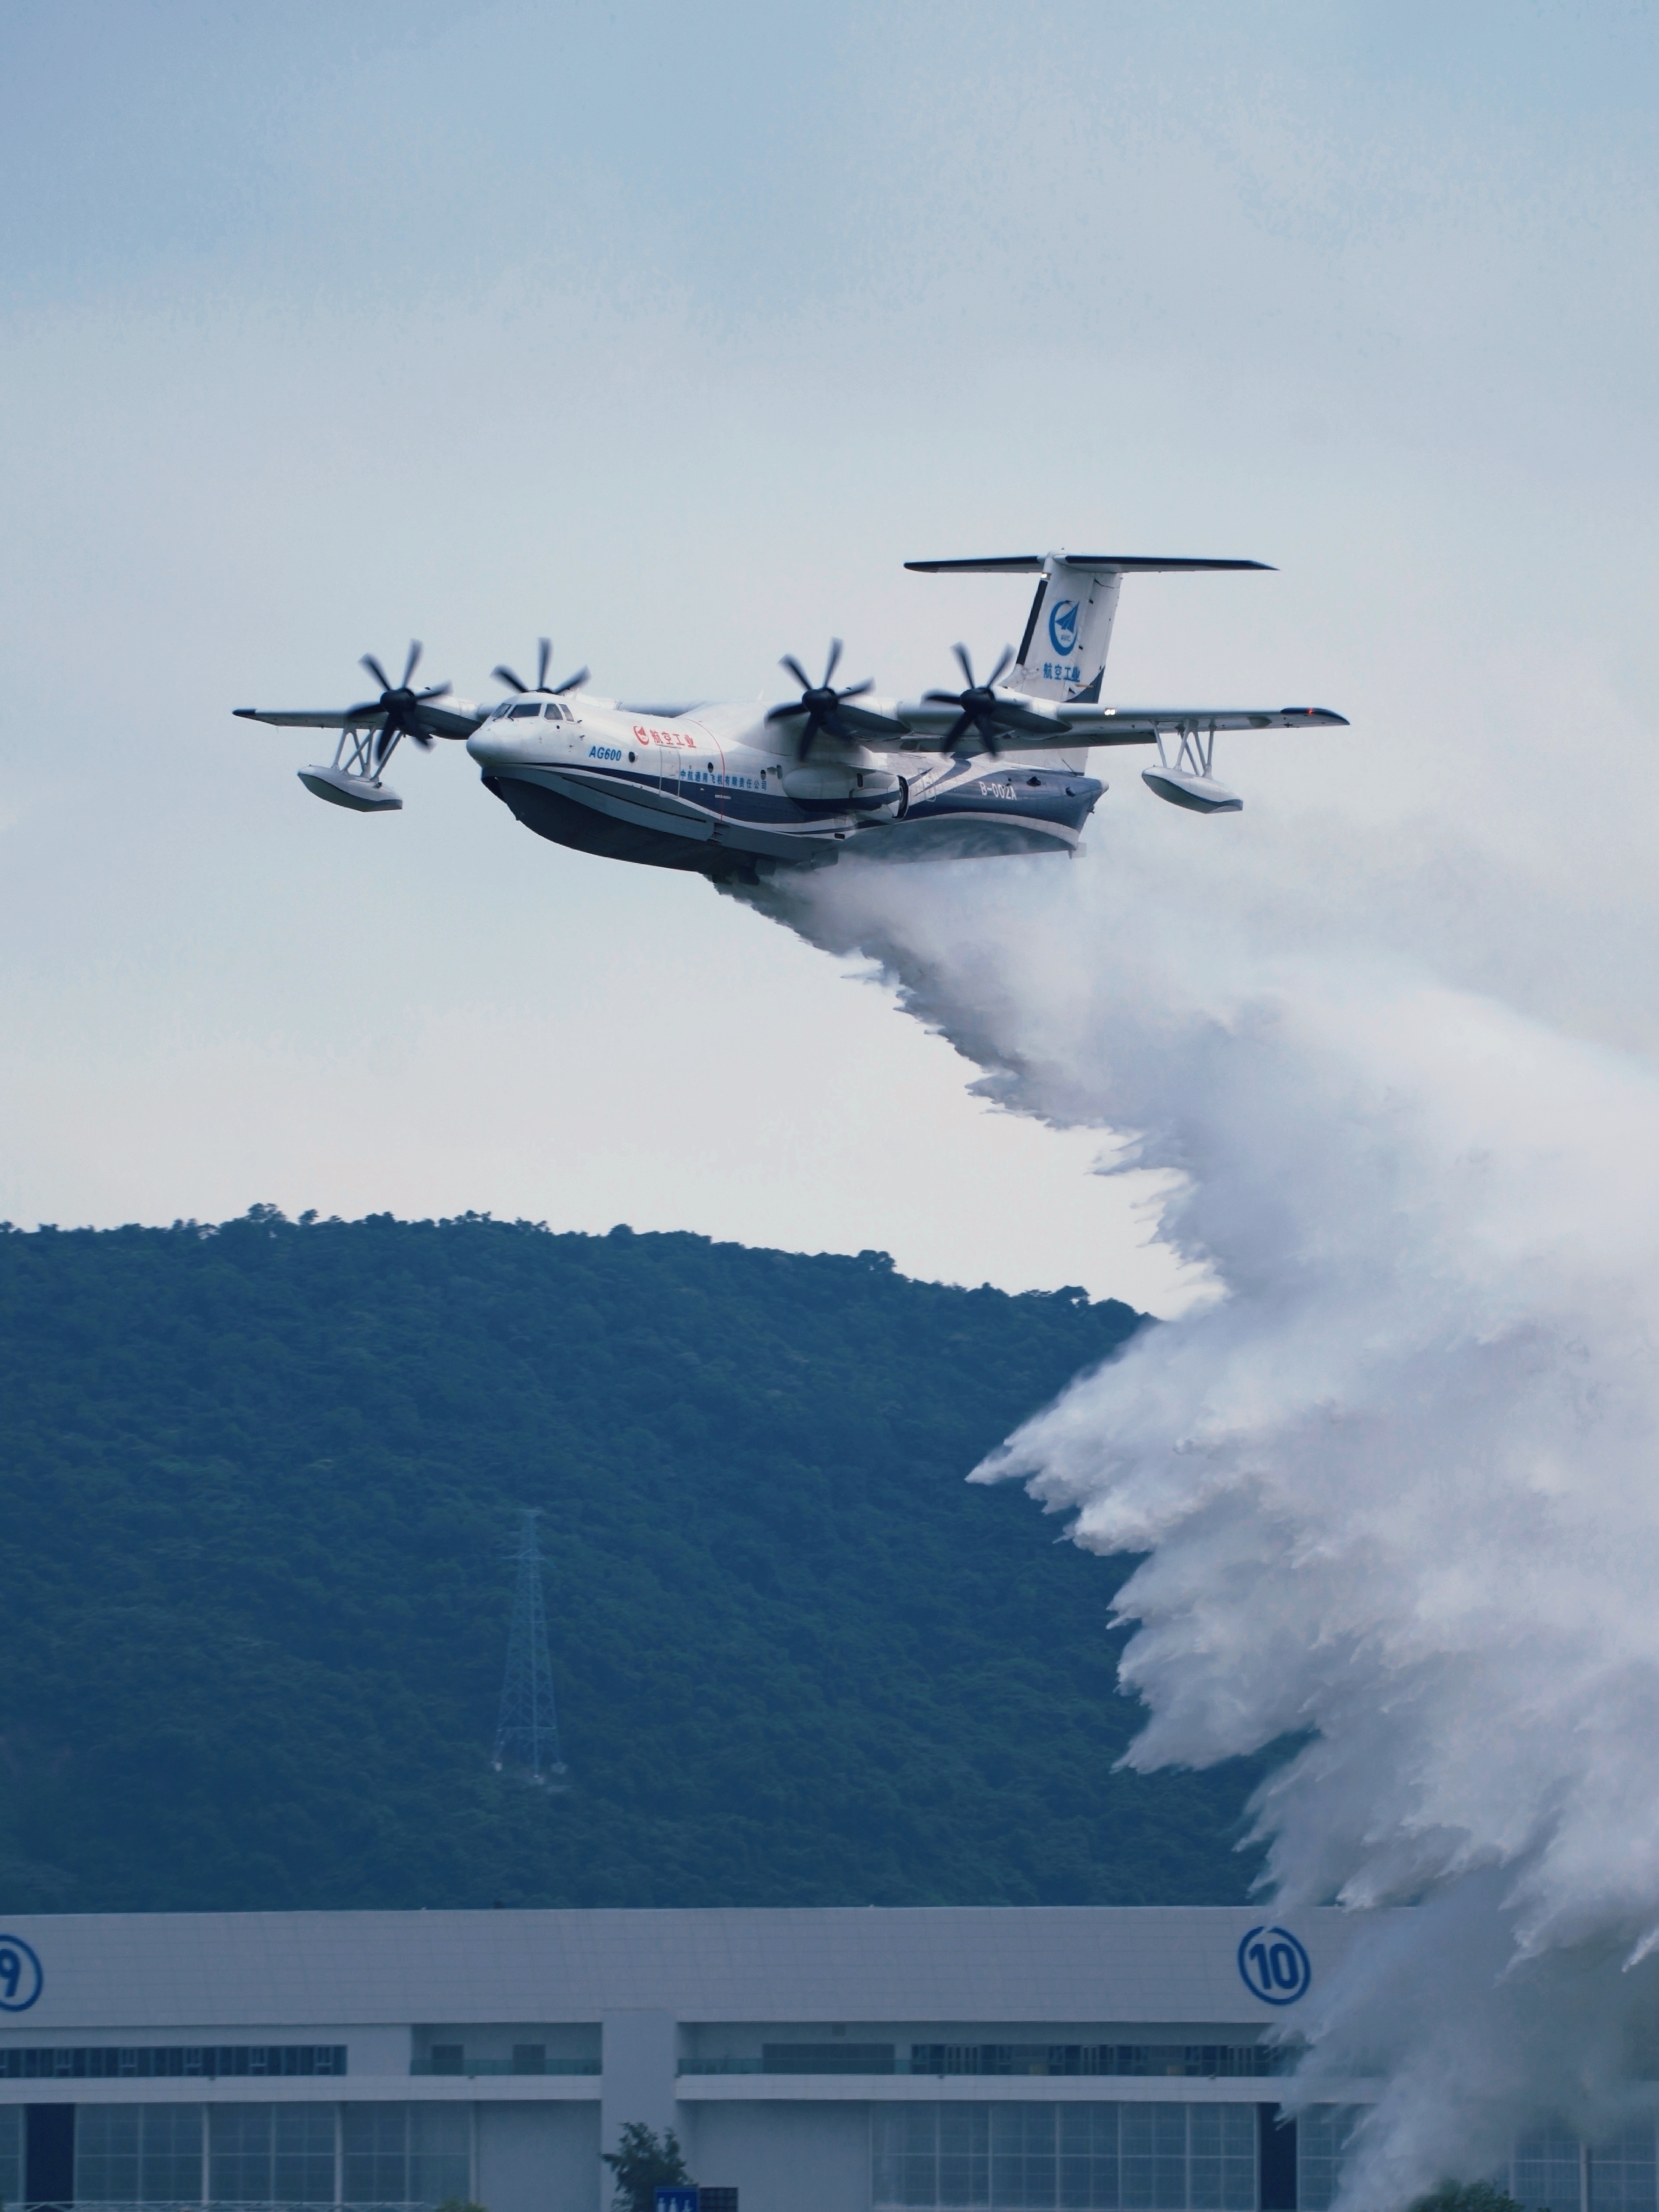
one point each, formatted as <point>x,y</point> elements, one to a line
<point>527,1733</point>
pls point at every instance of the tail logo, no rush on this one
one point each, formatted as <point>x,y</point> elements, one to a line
<point>1063,625</point>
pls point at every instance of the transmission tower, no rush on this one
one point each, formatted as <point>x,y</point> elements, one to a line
<point>527,1733</point>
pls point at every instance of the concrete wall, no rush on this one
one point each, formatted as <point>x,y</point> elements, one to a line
<point>783,2157</point>
<point>540,2158</point>
<point>641,2048</point>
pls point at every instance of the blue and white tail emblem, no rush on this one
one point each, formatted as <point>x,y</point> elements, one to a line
<point>1063,625</point>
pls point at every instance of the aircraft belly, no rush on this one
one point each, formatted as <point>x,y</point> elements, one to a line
<point>967,836</point>
<point>627,824</point>
<point>648,807</point>
<point>643,804</point>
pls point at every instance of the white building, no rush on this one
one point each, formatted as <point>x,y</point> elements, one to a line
<point>1090,2058</point>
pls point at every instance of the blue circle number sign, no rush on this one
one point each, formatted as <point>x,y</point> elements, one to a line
<point>20,1977</point>
<point>1274,1965</point>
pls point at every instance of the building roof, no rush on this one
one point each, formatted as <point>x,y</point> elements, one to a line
<point>1082,1963</point>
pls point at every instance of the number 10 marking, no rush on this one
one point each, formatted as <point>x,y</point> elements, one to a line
<point>1274,1965</point>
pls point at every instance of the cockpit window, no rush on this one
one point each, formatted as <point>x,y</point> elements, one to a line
<point>519,713</point>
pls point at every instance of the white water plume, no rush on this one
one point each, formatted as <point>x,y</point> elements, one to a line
<point>1395,1486</point>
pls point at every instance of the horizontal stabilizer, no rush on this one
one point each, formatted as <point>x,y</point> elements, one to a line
<point>1023,564</point>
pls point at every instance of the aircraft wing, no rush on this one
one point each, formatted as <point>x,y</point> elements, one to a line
<point>304,717</point>
<point>458,722</point>
<point>1068,725</point>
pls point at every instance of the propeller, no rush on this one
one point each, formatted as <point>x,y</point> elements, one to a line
<point>399,704</point>
<point>820,707</point>
<point>543,654</point>
<point>979,709</point>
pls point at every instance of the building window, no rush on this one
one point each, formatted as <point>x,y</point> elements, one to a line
<point>169,2062</point>
<point>827,2057</point>
<point>1621,2173</point>
<point>139,2154</point>
<point>406,2153</point>
<point>1023,2153</point>
<point>1066,2158</point>
<point>1152,2155</point>
<point>530,2059</point>
<point>440,2152</point>
<point>375,2153</point>
<point>272,2154</point>
<point>1545,2173</point>
<point>1221,2157</point>
<point>11,2154</point>
<point>1321,2135</point>
<point>1206,2060</point>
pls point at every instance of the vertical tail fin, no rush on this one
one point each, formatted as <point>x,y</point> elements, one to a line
<point>1062,655</point>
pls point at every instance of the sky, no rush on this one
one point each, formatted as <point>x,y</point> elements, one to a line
<point>674,333</point>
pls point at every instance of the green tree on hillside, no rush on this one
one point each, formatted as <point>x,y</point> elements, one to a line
<point>257,1481</point>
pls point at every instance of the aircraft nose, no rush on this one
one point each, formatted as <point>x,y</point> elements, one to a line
<point>494,745</point>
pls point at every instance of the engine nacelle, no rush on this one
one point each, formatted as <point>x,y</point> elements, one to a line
<point>1199,794</point>
<point>356,791</point>
<point>840,782</point>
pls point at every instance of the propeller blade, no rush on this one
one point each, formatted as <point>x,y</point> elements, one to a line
<point>834,661</point>
<point>413,661</point>
<point>505,676</point>
<point>1007,655</point>
<point>434,692</point>
<point>364,713</point>
<point>571,683</point>
<point>967,666</point>
<point>795,669</point>
<point>855,719</point>
<point>374,669</point>
<point>543,654</point>
<point>787,713</point>
<point>958,731</point>
<point>858,690</point>
<point>943,698</point>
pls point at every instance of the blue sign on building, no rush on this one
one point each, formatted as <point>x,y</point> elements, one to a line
<point>20,1977</point>
<point>1274,1965</point>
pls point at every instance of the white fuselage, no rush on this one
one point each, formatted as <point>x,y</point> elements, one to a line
<point>718,789</point>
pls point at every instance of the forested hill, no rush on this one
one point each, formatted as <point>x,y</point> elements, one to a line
<point>257,1490</point>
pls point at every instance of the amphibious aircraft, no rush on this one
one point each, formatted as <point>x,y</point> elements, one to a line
<point>997,765</point>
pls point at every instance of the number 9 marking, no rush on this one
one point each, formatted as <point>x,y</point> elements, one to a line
<point>20,1977</point>
<point>1273,1966</point>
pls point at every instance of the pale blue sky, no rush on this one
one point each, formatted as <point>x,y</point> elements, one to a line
<point>675,332</point>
